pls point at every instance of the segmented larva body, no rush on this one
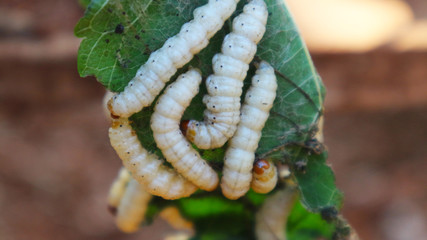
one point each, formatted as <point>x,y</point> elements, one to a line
<point>264,177</point>
<point>178,50</point>
<point>132,207</point>
<point>270,220</point>
<point>175,147</point>
<point>240,154</point>
<point>147,168</point>
<point>225,85</point>
<point>117,189</point>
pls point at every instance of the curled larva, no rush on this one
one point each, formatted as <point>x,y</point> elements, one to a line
<point>224,86</point>
<point>240,154</point>
<point>270,220</point>
<point>264,177</point>
<point>178,50</point>
<point>165,125</point>
<point>132,207</point>
<point>147,168</point>
<point>117,190</point>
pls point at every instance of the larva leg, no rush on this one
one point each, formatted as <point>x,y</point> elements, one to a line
<point>176,52</point>
<point>270,220</point>
<point>239,157</point>
<point>165,124</point>
<point>132,207</point>
<point>264,177</point>
<point>225,85</point>
<point>146,168</point>
<point>117,190</point>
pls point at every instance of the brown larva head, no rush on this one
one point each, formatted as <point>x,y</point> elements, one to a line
<point>184,126</point>
<point>112,210</point>
<point>110,108</point>
<point>260,165</point>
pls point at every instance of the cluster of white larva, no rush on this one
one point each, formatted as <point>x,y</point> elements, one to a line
<point>145,167</point>
<point>240,154</point>
<point>225,85</point>
<point>224,117</point>
<point>264,177</point>
<point>178,50</point>
<point>165,125</point>
<point>271,218</point>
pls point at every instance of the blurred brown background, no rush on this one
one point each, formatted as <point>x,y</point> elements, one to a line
<point>56,164</point>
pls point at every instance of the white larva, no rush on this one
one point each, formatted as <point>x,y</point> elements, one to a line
<point>178,50</point>
<point>117,190</point>
<point>147,168</point>
<point>264,177</point>
<point>225,85</point>
<point>240,154</point>
<point>165,125</point>
<point>270,220</point>
<point>132,207</point>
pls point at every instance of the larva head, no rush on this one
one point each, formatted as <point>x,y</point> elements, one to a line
<point>260,166</point>
<point>188,129</point>
<point>110,108</point>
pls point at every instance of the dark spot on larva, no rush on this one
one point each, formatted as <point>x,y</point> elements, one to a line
<point>195,154</point>
<point>243,24</point>
<point>170,46</point>
<point>229,46</point>
<point>213,106</point>
<point>264,103</point>
<point>131,84</point>
<point>137,37</point>
<point>112,210</point>
<point>212,123</point>
<point>214,118</point>
<point>203,16</point>
<point>216,87</point>
<point>186,30</point>
<point>121,125</point>
<point>253,9</point>
<point>140,74</point>
<point>128,152</point>
<point>134,164</point>
<point>197,124</point>
<point>107,40</point>
<point>257,80</point>
<point>119,29</point>
<point>110,10</point>
<point>250,95</point>
<point>124,13</point>
<point>220,66</point>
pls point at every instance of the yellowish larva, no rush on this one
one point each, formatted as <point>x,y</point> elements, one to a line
<point>162,64</point>
<point>225,85</point>
<point>165,125</point>
<point>270,220</point>
<point>147,168</point>
<point>117,190</point>
<point>264,177</point>
<point>240,154</point>
<point>132,207</point>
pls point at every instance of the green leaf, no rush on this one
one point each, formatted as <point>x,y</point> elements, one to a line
<point>303,225</point>
<point>317,184</point>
